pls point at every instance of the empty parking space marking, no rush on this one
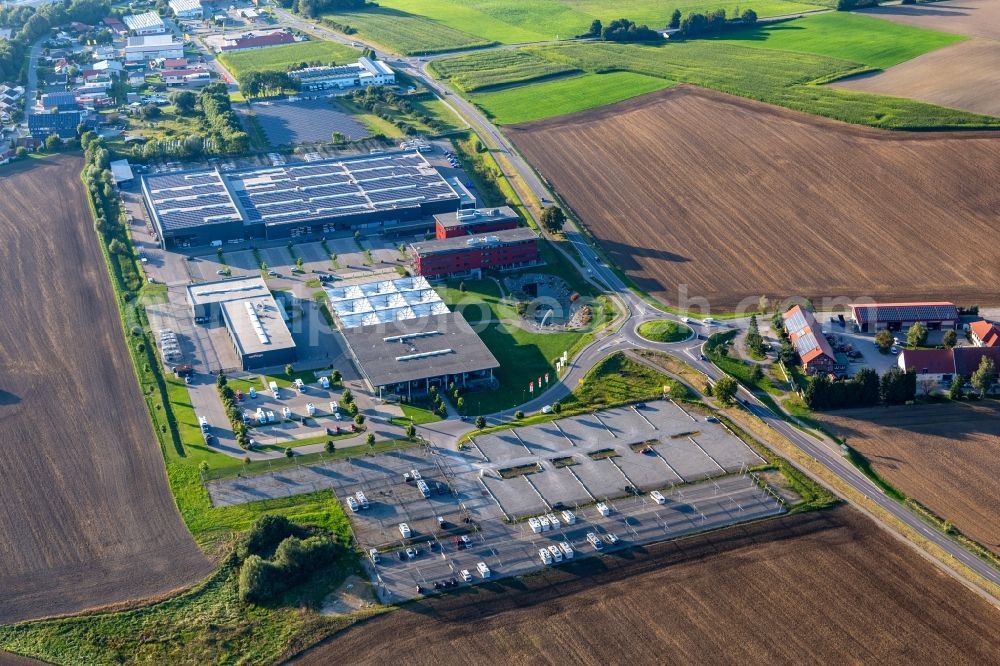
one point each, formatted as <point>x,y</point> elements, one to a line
<point>514,432</point>
<point>682,411</point>
<point>707,455</point>
<point>610,431</point>
<point>643,417</point>
<point>563,433</point>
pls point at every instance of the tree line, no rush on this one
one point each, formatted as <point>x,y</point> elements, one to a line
<point>864,389</point>
<point>225,126</point>
<point>315,8</point>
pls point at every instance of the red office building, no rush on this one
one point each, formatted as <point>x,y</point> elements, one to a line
<point>473,222</point>
<point>470,255</point>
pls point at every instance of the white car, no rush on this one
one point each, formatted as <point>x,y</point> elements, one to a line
<point>374,556</point>
<point>300,385</point>
<point>708,321</point>
<point>567,550</point>
<point>415,475</point>
<point>569,517</point>
<point>595,541</point>
<point>466,576</point>
<point>285,412</point>
<point>547,409</point>
<point>544,556</point>
<point>611,538</point>
<point>556,553</point>
<point>484,570</point>
<point>552,519</point>
<point>352,504</point>
<point>685,320</point>
<point>404,529</point>
<point>338,416</point>
<point>603,509</point>
<point>658,497</point>
<point>324,382</point>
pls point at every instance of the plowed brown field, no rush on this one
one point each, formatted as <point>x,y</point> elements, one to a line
<point>945,456</point>
<point>729,199</point>
<point>976,18</point>
<point>960,76</point>
<point>815,588</point>
<point>87,518</point>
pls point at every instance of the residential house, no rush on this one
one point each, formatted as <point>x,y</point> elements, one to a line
<point>985,333</point>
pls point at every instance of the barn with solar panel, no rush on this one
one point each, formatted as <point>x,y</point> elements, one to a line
<point>872,317</point>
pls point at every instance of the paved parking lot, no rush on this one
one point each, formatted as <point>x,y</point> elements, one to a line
<point>607,454</point>
<point>467,493</point>
<point>510,550</point>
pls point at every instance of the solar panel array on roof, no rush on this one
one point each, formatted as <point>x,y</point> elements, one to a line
<point>901,312</point>
<point>303,191</point>
<point>185,200</point>
<point>298,192</point>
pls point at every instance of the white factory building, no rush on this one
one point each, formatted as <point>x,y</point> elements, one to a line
<point>362,74</point>
<point>148,23</point>
<point>152,47</point>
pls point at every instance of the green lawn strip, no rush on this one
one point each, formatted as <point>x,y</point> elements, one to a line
<point>286,56</point>
<point>862,39</point>
<point>255,467</point>
<point>263,437</point>
<point>403,32</point>
<point>619,379</point>
<point>741,370</point>
<point>416,414</point>
<point>664,330</point>
<point>565,95</point>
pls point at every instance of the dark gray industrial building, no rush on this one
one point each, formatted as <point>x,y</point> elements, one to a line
<point>254,320</point>
<point>408,357</point>
<point>299,201</point>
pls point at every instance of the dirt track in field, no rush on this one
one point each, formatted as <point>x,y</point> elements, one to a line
<point>960,76</point>
<point>824,587</point>
<point>945,456</point>
<point>87,518</point>
<point>731,199</point>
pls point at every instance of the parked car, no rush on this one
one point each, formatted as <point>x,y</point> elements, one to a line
<point>374,556</point>
<point>658,497</point>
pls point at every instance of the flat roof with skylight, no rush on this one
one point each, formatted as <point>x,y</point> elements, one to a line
<point>384,301</point>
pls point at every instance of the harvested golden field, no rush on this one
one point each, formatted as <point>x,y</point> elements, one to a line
<point>961,76</point>
<point>945,456</point>
<point>822,587</point>
<point>976,18</point>
<point>87,519</point>
<point>723,198</point>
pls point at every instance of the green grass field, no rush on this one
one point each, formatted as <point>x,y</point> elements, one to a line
<point>564,95</point>
<point>479,71</point>
<point>861,39</point>
<point>664,330</point>
<point>282,57</point>
<point>435,26</point>
<point>403,32</point>
<point>784,78</point>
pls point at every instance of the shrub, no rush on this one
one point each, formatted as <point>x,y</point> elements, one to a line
<point>519,415</point>
<point>265,535</point>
